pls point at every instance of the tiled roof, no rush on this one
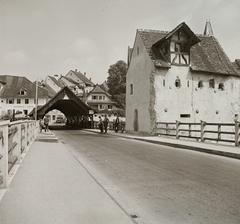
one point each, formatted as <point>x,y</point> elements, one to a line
<point>98,89</point>
<point>56,81</point>
<point>207,55</point>
<point>15,83</point>
<point>51,92</point>
<point>83,78</point>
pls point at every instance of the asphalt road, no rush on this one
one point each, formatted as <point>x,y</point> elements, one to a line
<point>159,184</point>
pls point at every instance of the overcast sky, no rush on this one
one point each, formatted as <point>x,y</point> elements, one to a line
<point>48,37</point>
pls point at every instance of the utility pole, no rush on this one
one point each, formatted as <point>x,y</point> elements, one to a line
<point>36,101</point>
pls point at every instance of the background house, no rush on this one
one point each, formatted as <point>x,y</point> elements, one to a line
<point>100,101</point>
<point>18,96</point>
<point>179,75</point>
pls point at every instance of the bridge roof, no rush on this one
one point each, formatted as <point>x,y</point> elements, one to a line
<point>66,102</point>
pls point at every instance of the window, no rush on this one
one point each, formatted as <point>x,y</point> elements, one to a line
<point>110,107</point>
<point>180,49</point>
<point>137,51</point>
<point>188,83</point>
<point>22,92</point>
<point>184,115</point>
<point>178,83</point>
<point>35,101</point>
<point>221,86</point>
<point>212,83</point>
<point>103,97</point>
<point>100,106</point>
<point>200,84</point>
<point>25,112</point>
<point>18,101</point>
<point>26,101</point>
<point>131,88</point>
<point>100,97</point>
<point>164,82</point>
<point>94,97</point>
<point>10,101</point>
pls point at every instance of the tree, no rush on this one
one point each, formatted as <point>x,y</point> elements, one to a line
<point>116,80</point>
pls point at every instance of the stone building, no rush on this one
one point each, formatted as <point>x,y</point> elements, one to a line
<point>179,75</point>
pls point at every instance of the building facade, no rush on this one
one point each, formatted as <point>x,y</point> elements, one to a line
<point>179,75</point>
<point>18,96</point>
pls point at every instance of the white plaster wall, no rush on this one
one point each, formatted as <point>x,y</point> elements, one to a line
<point>171,101</point>
<point>139,75</point>
<point>20,107</point>
<point>213,105</point>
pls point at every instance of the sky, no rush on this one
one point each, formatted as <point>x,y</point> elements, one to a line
<point>49,37</point>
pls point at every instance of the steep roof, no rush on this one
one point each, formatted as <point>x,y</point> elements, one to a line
<point>15,83</point>
<point>83,78</point>
<point>56,81</point>
<point>207,55</point>
<point>98,89</point>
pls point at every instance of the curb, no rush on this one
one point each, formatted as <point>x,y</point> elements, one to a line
<point>178,145</point>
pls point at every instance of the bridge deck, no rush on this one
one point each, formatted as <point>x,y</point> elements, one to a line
<point>51,186</point>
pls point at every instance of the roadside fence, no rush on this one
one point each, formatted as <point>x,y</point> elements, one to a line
<point>202,131</point>
<point>15,139</point>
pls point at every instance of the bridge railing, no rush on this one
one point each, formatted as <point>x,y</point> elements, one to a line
<point>15,139</point>
<point>202,131</point>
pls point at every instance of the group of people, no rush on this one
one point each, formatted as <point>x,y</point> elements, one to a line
<point>103,124</point>
<point>43,124</point>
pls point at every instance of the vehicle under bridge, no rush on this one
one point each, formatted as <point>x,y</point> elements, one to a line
<point>75,110</point>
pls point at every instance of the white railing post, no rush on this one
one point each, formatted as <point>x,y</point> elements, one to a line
<point>4,154</point>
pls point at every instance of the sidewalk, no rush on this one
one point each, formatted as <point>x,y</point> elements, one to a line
<point>216,149</point>
<point>52,186</point>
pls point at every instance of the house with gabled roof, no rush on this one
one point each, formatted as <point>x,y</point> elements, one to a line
<point>53,83</point>
<point>18,95</point>
<point>101,102</point>
<point>179,75</point>
<point>81,80</point>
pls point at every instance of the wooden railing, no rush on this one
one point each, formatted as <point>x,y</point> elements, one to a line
<point>15,139</point>
<point>202,131</point>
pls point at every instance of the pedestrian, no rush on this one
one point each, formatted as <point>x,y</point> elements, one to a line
<point>117,124</point>
<point>100,124</point>
<point>46,122</point>
<point>41,125</point>
<point>105,123</point>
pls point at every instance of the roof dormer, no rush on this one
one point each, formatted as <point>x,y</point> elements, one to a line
<point>174,48</point>
<point>22,92</point>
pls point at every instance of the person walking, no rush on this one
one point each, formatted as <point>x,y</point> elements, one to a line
<point>46,122</point>
<point>100,124</point>
<point>41,125</point>
<point>105,123</point>
<point>117,124</point>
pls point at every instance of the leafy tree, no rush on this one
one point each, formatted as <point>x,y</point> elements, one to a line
<point>116,80</point>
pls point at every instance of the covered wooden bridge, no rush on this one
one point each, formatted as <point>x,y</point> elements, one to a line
<point>75,110</point>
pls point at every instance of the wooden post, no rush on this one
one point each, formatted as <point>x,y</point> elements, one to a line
<point>203,124</point>
<point>177,129</point>
<point>189,130</point>
<point>236,133</point>
<point>219,132</point>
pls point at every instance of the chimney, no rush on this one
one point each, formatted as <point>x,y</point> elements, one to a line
<point>75,70</point>
<point>84,73</point>
<point>56,76</point>
<point>90,79</point>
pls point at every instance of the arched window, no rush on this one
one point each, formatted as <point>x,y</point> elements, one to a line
<point>178,83</point>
